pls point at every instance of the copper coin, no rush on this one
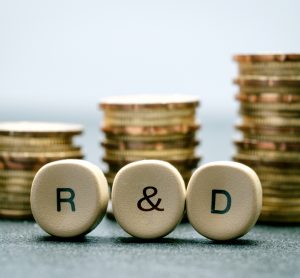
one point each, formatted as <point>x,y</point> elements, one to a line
<point>278,57</point>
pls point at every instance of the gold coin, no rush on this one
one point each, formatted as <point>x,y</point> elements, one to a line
<point>267,81</point>
<point>17,174</point>
<point>8,140</point>
<point>33,150</point>
<point>15,181</point>
<point>37,155</point>
<point>190,162</point>
<point>142,157</point>
<point>15,214</point>
<point>151,138</point>
<point>279,210</point>
<point>281,202</point>
<point>255,161</point>
<point>284,178</point>
<point>141,122</point>
<point>14,198</point>
<point>261,113</point>
<point>268,98</point>
<point>270,155</point>
<point>271,121</point>
<point>279,57</point>
<point>151,130</point>
<point>268,130</point>
<point>158,145</point>
<point>150,153</point>
<point>283,171</point>
<point>12,189</point>
<point>281,187</point>
<point>152,102</point>
<point>39,128</point>
<point>279,219</point>
<point>294,139</point>
<point>150,114</point>
<point>265,89</point>
<point>282,193</point>
<point>269,114</point>
<point>271,107</point>
<point>30,164</point>
<point>270,69</point>
<point>180,167</point>
<point>15,205</point>
<point>266,145</point>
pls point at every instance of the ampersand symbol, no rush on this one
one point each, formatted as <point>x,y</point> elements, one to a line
<point>147,198</point>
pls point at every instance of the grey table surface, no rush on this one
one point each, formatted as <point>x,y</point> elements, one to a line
<point>266,251</point>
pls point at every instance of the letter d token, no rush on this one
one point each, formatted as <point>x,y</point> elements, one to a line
<point>224,200</point>
<point>69,197</point>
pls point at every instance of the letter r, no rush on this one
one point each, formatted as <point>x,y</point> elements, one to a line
<point>60,199</point>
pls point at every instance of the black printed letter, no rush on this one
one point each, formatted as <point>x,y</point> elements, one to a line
<point>69,200</point>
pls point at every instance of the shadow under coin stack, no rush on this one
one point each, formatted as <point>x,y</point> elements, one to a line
<point>150,127</point>
<point>270,110</point>
<point>24,148</point>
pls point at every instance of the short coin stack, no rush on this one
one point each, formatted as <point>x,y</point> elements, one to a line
<point>150,127</point>
<point>24,148</point>
<point>270,110</point>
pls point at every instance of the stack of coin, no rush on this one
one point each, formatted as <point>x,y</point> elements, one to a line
<point>24,148</point>
<point>150,127</point>
<point>269,99</point>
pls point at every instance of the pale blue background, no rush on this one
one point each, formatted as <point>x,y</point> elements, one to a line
<point>58,58</point>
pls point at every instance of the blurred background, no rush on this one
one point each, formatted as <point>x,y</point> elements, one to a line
<point>59,58</point>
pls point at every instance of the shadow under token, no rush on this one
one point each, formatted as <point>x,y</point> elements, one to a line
<point>49,238</point>
<point>85,239</point>
<point>133,240</point>
<point>278,225</point>
<point>186,241</point>
<point>235,242</point>
<point>137,241</point>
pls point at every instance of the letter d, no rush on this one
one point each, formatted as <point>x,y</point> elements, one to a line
<point>213,201</point>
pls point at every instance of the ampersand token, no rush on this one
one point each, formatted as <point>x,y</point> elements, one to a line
<point>148,198</point>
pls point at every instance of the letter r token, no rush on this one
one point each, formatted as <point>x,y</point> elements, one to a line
<point>69,197</point>
<point>148,198</point>
<point>224,200</point>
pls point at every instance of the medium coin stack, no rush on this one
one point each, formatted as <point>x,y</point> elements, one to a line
<point>150,127</point>
<point>269,99</point>
<point>24,148</point>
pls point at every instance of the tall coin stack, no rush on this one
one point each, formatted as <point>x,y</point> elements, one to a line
<point>269,99</point>
<point>24,148</point>
<point>150,127</point>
